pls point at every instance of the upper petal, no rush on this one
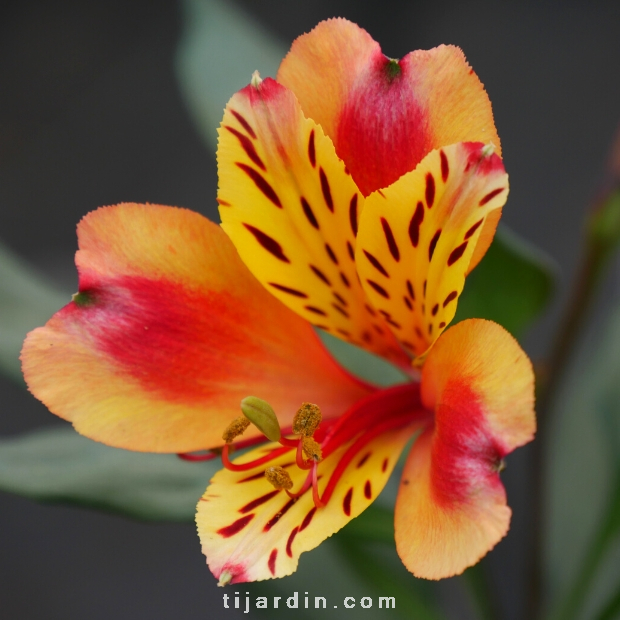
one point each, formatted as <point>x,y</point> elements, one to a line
<point>385,116</point>
<point>451,507</point>
<point>417,238</point>
<point>292,211</point>
<point>168,333</point>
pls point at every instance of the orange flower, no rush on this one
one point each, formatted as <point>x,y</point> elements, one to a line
<point>359,191</point>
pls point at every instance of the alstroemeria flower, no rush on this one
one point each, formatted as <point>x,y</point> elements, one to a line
<point>359,191</point>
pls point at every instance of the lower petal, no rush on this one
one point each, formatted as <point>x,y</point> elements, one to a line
<point>251,531</point>
<point>437,539</point>
<point>451,508</point>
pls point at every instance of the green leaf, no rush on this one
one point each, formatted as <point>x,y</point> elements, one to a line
<point>26,302</point>
<point>58,465</point>
<point>360,362</point>
<point>584,491</point>
<point>511,286</point>
<point>219,50</point>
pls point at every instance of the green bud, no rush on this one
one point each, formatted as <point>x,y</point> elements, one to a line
<point>262,415</point>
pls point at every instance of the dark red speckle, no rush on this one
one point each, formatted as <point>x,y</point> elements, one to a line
<point>414,224</point>
<point>236,527</point>
<point>289,542</point>
<point>346,502</point>
<point>353,214</point>
<point>290,291</point>
<point>268,243</point>
<point>445,168</point>
<point>473,229</point>
<point>247,146</point>
<point>327,192</point>
<point>389,237</point>
<point>491,195</point>
<point>430,190</point>
<point>258,501</point>
<point>309,213</point>
<point>457,253</point>
<point>311,151</point>
<point>307,519</point>
<point>260,182</point>
<point>367,490</point>
<point>433,244</point>
<point>378,288</point>
<point>244,123</point>
<point>363,459</point>
<point>272,561</point>
<point>278,515</point>
<point>376,264</point>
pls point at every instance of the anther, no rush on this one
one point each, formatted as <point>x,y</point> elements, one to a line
<point>279,477</point>
<point>312,449</point>
<point>235,428</point>
<point>306,420</point>
<point>262,415</point>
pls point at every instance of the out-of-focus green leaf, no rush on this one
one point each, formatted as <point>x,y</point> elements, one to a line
<point>58,465</point>
<point>219,50</point>
<point>376,524</point>
<point>584,487</point>
<point>26,301</point>
<point>511,286</point>
<point>360,362</point>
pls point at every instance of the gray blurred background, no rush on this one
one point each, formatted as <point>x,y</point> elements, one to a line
<point>91,114</point>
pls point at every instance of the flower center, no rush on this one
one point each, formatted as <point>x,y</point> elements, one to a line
<point>314,440</point>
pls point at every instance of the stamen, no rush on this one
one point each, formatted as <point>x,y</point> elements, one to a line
<point>235,428</point>
<point>262,415</point>
<point>312,449</point>
<point>306,420</point>
<point>279,477</point>
<point>304,487</point>
<point>299,457</point>
<point>315,488</point>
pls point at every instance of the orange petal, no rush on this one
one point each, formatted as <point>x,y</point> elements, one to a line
<point>417,238</point>
<point>253,532</point>
<point>451,507</point>
<point>168,333</point>
<point>385,116</point>
<point>292,212</point>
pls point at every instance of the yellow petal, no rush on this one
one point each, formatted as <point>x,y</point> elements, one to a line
<point>251,531</point>
<point>417,238</point>
<point>292,212</point>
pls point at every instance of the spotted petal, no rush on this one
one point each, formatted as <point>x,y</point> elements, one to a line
<point>385,116</point>
<point>451,507</point>
<point>292,212</point>
<point>418,236</point>
<point>251,531</point>
<point>168,333</point>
